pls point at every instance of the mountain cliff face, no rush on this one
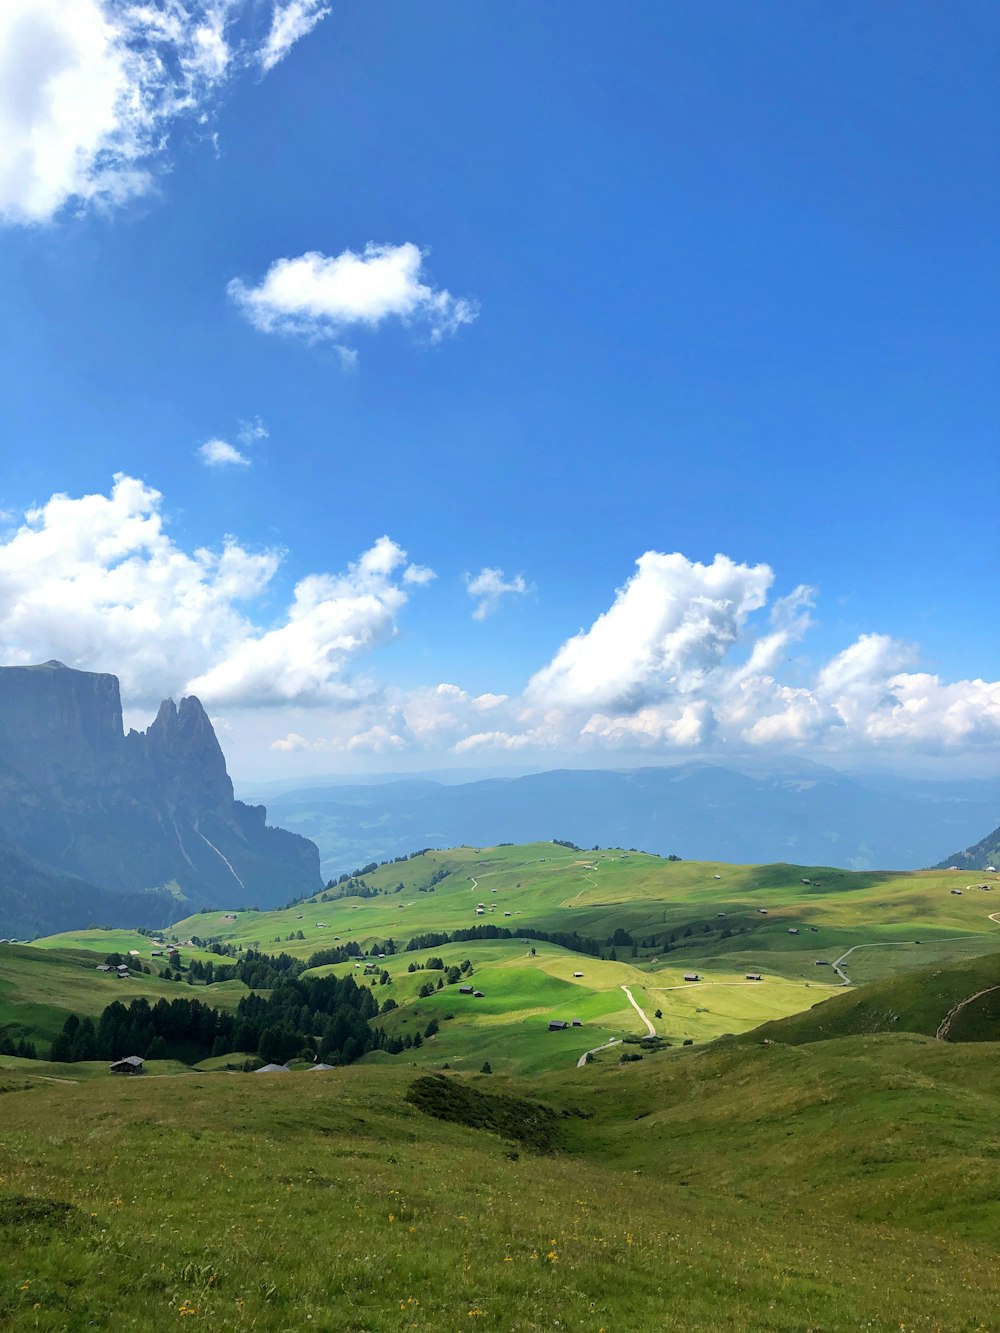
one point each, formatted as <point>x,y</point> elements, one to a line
<point>143,811</point>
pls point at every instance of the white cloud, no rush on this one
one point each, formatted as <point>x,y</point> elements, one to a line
<point>488,587</point>
<point>91,89</point>
<point>686,659</point>
<point>316,296</point>
<point>98,583</point>
<point>291,22</point>
<point>670,625</point>
<point>217,453</point>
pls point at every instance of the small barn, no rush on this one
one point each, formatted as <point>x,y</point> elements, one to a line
<point>578,974</point>
<point>314,1068</point>
<point>754,976</point>
<point>793,930</point>
<point>273,1069</point>
<point>132,1064</point>
<point>477,994</point>
<point>762,911</point>
<point>557,1024</point>
<point>465,990</point>
<point>956,893</point>
<point>578,1022</point>
<point>101,967</point>
<point>691,976</point>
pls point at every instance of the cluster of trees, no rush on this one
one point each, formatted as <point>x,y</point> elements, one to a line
<point>22,1047</point>
<point>181,1029</point>
<point>432,939</point>
<point>325,1017</point>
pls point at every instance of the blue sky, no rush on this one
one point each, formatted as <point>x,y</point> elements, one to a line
<point>681,279</point>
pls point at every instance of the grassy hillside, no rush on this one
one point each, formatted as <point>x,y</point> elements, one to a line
<point>711,919</point>
<point>847,1184</point>
<point>39,989</point>
<point>914,1002</point>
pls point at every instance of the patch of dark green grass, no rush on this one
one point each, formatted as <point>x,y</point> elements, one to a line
<point>528,1123</point>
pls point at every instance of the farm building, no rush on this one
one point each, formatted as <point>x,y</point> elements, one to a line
<point>793,930</point>
<point>754,976</point>
<point>101,967</point>
<point>762,911</point>
<point>132,1064</point>
<point>691,976</point>
<point>578,1022</point>
<point>578,974</point>
<point>557,1024</point>
<point>314,1068</point>
<point>477,994</point>
<point>956,893</point>
<point>465,990</point>
<point>273,1069</point>
<point>822,962</point>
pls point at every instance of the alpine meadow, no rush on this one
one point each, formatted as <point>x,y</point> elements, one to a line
<point>499,707</point>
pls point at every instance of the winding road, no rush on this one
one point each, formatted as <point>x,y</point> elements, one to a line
<point>583,1058</point>
<point>638,1009</point>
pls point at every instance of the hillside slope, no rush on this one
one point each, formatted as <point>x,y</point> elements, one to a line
<point>36,900</point>
<point>839,1186</point>
<point>985,852</point>
<point>916,1002</point>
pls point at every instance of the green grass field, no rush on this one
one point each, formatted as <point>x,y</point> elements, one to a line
<point>40,988</point>
<point>719,921</point>
<point>830,1166</point>
<point>845,1185</point>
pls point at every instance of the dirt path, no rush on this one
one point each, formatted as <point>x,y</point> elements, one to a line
<point>638,1009</point>
<point>895,944</point>
<point>583,1058</point>
<point>955,1010</point>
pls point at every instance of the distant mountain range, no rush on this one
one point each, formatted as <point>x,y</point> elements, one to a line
<point>101,827</point>
<point>803,812</point>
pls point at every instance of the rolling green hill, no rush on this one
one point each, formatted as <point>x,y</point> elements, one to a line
<point>930,1001</point>
<point>671,919</point>
<point>40,989</point>
<point>846,1184</point>
<point>832,1168</point>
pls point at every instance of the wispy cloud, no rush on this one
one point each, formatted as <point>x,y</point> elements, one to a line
<point>489,586</point>
<point>317,296</point>
<point>252,432</point>
<point>217,453</point>
<point>91,89</point>
<point>291,21</point>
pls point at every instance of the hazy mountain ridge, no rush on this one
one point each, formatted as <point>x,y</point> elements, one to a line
<point>981,854</point>
<point>120,814</point>
<point>803,813</point>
